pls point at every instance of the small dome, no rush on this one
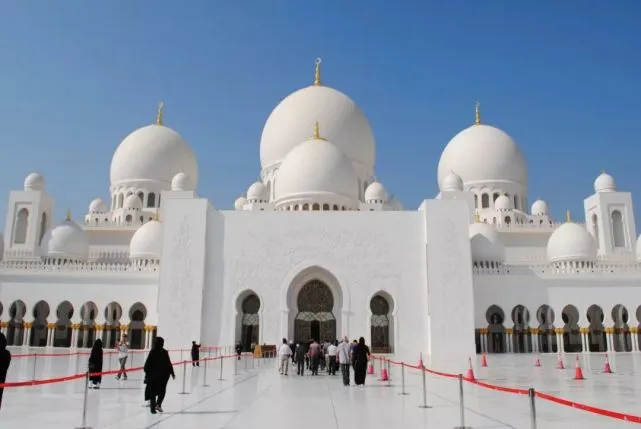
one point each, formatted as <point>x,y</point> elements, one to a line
<point>240,203</point>
<point>66,240</point>
<point>34,182</point>
<point>451,182</point>
<point>97,206</point>
<point>395,204</point>
<point>502,203</point>
<point>181,182</point>
<point>146,242</point>
<point>485,243</point>
<point>375,192</point>
<point>571,242</point>
<point>153,153</point>
<point>316,167</point>
<point>132,202</point>
<point>605,183</point>
<point>539,208</point>
<point>257,192</point>
<point>638,248</point>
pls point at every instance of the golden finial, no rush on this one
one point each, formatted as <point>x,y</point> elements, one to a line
<point>477,113</point>
<point>317,72</point>
<point>477,217</point>
<point>317,135</point>
<point>159,113</point>
<point>68,217</point>
<point>568,216</point>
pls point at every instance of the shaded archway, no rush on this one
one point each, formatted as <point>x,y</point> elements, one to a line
<point>597,339</point>
<point>315,318</point>
<point>137,316</point>
<point>15,330</point>
<point>521,339</point>
<point>39,329</point>
<point>64,331</point>
<point>496,331</point>
<point>571,332</point>
<point>248,320</point>
<point>87,333</point>
<point>621,339</point>
<point>111,328</point>
<point>381,322</point>
<point>547,337</point>
<point>22,225</point>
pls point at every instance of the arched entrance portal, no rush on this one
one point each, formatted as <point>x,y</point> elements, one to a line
<point>315,318</point>
<point>250,322</point>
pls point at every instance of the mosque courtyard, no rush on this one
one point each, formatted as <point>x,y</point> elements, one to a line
<point>252,394</point>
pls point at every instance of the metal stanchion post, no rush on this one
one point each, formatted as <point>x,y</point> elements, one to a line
<point>253,361</point>
<point>84,405</point>
<point>403,392</point>
<point>205,373</point>
<point>235,365</point>
<point>35,363</point>
<point>221,370</point>
<point>424,404</point>
<point>532,396</point>
<point>110,354</point>
<point>461,404</point>
<point>245,361</point>
<point>184,391</point>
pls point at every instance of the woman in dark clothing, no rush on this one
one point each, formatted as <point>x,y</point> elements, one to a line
<point>361,356</point>
<point>95,364</point>
<point>5,360</point>
<point>195,354</point>
<point>158,369</point>
<point>299,358</point>
<point>239,349</point>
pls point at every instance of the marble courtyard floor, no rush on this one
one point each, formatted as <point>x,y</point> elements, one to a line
<point>260,397</point>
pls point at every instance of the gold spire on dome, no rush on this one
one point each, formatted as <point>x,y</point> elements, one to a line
<point>317,135</point>
<point>477,217</point>
<point>568,216</point>
<point>68,217</point>
<point>477,113</point>
<point>317,72</point>
<point>160,113</point>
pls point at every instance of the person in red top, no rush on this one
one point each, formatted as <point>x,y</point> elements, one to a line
<point>314,357</point>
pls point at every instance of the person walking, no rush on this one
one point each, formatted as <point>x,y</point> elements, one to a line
<point>300,356</point>
<point>361,356</point>
<point>123,354</point>
<point>239,349</point>
<point>284,353</point>
<point>332,349</point>
<point>314,356</point>
<point>95,364</point>
<point>5,361</point>
<point>195,354</point>
<point>158,369</point>
<point>344,359</point>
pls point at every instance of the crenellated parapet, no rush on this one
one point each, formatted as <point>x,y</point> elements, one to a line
<point>43,266</point>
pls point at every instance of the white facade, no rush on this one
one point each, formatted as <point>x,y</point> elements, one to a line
<point>318,248</point>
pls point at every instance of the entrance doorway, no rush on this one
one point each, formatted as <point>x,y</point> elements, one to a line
<point>315,318</point>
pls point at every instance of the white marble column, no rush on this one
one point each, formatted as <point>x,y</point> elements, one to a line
<point>584,339</point>
<point>559,340</point>
<point>535,340</point>
<point>508,340</point>
<point>74,335</point>
<point>609,333</point>
<point>27,334</point>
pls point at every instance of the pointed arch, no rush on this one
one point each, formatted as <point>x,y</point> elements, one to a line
<point>21,226</point>
<point>618,232</point>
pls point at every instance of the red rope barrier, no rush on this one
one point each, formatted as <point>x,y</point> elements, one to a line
<point>546,397</point>
<point>108,352</point>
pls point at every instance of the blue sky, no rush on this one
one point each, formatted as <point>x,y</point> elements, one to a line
<point>561,77</point>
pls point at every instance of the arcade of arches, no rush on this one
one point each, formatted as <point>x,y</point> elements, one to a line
<point>546,333</point>
<point>315,319</point>
<point>40,327</point>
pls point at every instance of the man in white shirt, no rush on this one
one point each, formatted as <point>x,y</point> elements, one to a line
<point>344,359</point>
<point>332,351</point>
<point>284,353</point>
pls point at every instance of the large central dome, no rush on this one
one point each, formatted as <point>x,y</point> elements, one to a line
<point>343,124</point>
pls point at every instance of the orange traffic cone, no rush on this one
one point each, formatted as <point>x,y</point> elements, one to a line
<point>578,372</point>
<point>470,371</point>
<point>420,361</point>
<point>537,362</point>
<point>606,368</point>
<point>559,362</point>
<point>370,368</point>
<point>483,360</point>
<point>384,374</point>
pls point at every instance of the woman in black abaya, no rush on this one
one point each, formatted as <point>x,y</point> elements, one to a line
<point>158,369</point>
<point>361,356</point>
<point>95,364</point>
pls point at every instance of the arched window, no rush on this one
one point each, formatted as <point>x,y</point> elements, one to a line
<point>380,325</point>
<point>128,218</point>
<point>335,207</point>
<point>121,200</point>
<point>325,206</point>
<point>617,229</point>
<point>485,201</point>
<point>495,196</point>
<point>476,201</point>
<point>516,202</point>
<point>316,207</point>
<point>43,227</point>
<point>305,206</point>
<point>508,220</point>
<point>151,199</point>
<point>595,227</point>
<point>250,322</point>
<point>22,222</point>
<point>142,197</point>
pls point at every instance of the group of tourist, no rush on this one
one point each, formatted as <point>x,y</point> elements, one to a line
<point>328,356</point>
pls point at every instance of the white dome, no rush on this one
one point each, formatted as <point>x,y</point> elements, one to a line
<point>257,192</point>
<point>66,240</point>
<point>153,153</point>
<point>638,248</point>
<point>34,182</point>
<point>482,153</point>
<point>343,124</point>
<point>316,167</point>
<point>539,208</point>
<point>97,206</point>
<point>146,242</point>
<point>181,182</point>
<point>571,242</point>
<point>240,202</point>
<point>132,202</point>
<point>451,182</point>
<point>485,243</point>
<point>502,203</point>
<point>375,192</point>
<point>605,183</point>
